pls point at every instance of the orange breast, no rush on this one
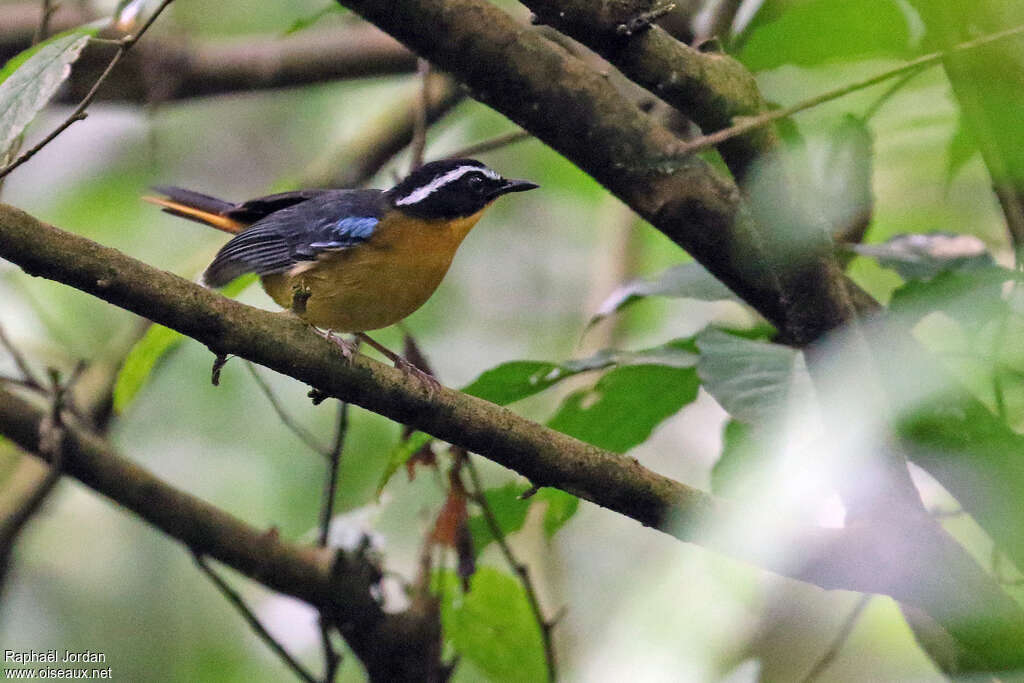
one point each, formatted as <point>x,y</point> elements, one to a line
<point>377,283</point>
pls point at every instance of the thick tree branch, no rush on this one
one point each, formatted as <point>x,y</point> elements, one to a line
<point>925,568</point>
<point>711,89</point>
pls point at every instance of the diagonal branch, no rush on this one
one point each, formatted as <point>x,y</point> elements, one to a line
<point>922,566</point>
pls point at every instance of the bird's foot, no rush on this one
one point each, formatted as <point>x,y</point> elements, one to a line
<point>349,349</point>
<point>429,382</point>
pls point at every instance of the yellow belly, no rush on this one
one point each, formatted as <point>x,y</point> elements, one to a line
<point>377,283</point>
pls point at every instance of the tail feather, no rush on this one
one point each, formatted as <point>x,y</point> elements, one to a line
<point>197,207</point>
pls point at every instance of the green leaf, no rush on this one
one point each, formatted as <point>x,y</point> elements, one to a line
<point>977,456</point>
<point>400,455</point>
<point>510,512</point>
<point>922,257</point>
<point>140,362</point>
<point>736,459</point>
<point>972,297</point>
<point>625,405</point>
<point>752,380</point>
<point>30,79</point>
<point>302,23</point>
<point>814,32</point>
<point>516,380</point>
<point>962,148</point>
<point>684,281</point>
<point>561,507</point>
<point>492,625</point>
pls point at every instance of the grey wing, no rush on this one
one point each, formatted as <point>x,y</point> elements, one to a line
<point>291,236</point>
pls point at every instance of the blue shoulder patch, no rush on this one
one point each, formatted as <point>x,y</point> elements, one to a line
<point>347,232</point>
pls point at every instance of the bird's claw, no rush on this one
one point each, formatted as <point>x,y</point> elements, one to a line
<point>429,382</point>
<point>348,349</point>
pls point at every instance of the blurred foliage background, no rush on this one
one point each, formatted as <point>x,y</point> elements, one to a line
<point>524,286</point>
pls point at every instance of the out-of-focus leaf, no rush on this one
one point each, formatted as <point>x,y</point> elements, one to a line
<point>30,79</point>
<point>971,451</point>
<point>815,32</point>
<point>400,455</point>
<point>141,361</point>
<point>684,281</point>
<point>962,149</point>
<point>624,407</point>
<point>147,353</point>
<point>516,380</point>
<point>972,297</point>
<point>492,626</point>
<point>752,380</point>
<point>922,257</point>
<point>844,178</point>
<point>510,512</point>
<point>303,23</point>
<point>736,458</point>
<point>561,507</point>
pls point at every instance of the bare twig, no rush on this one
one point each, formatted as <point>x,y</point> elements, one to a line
<point>522,571</point>
<point>304,434</point>
<point>42,30</point>
<point>28,378</point>
<point>755,122</point>
<point>125,44</point>
<point>419,136</point>
<point>840,640</point>
<point>331,656</point>
<point>51,437</point>
<point>232,596</point>
<point>331,480</point>
<point>494,143</point>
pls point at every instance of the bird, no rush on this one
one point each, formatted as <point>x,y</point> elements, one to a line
<point>348,260</point>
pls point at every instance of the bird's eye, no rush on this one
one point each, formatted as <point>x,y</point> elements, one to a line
<point>476,183</point>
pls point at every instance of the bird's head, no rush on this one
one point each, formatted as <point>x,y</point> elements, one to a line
<point>451,188</point>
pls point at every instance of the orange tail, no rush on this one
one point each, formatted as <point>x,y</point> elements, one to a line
<point>198,208</point>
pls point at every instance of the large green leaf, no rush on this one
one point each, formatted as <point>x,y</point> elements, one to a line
<point>492,626</point>
<point>30,79</point>
<point>752,380</point>
<point>977,456</point>
<point>625,405</point>
<point>516,380</point>
<point>813,32</point>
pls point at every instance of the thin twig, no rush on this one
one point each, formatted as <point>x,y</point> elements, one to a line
<point>331,480</point>
<point>490,145</point>
<point>419,136</point>
<point>28,379</point>
<point>518,567</point>
<point>44,22</point>
<point>79,113</point>
<point>752,123</point>
<point>51,442</point>
<point>304,434</point>
<point>235,599</point>
<point>331,656</point>
<point>840,639</point>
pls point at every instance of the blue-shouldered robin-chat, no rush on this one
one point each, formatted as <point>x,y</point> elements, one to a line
<point>349,260</point>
